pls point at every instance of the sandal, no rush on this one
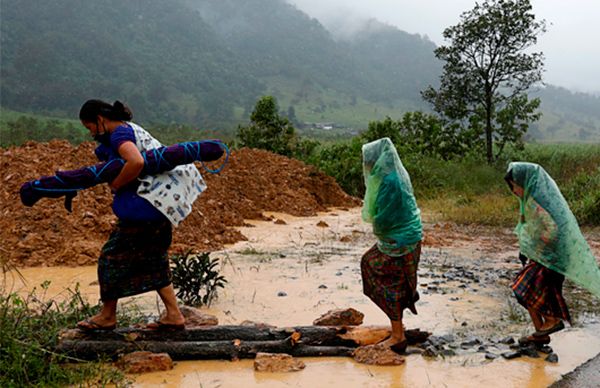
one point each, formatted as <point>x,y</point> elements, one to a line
<point>541,333</point>
<point>90,325</point>
<point>400,347</point>
<point>160,326</point>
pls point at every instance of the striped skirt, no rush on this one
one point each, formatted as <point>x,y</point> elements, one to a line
<point>391,282</point>
<point>134,260</point>
<point>539,288</point>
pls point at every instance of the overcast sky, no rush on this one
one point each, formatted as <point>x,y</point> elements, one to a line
<point>571,45</point>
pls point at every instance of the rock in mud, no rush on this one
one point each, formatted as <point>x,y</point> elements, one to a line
<point>511,355</point>
<point>377,355</point>
<point>340,317</point>
<point>322,224</point>
<point>143,362</point>
<point>195,317</point>
<point>507,340</point>
<point>545,349</point>
<point>279,221</point>
<point>552,357</point>
<point>430,352</point>
<point>529,351</point>
<point>282,293</point>
<point>491,356</point>
<point>277,362</point>
<point>470,343</point>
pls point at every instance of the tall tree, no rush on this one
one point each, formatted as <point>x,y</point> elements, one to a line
<point>268,130</point>
<point>488,69</point>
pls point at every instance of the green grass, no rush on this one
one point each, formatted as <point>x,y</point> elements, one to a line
<point>29,329</point>
<point>313,103</point>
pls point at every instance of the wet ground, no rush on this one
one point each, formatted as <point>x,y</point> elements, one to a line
<point>291,270</point>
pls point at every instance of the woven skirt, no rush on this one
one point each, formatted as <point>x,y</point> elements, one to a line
<point>134,260</point>
<point>539,288</point>
<point>391,282</point>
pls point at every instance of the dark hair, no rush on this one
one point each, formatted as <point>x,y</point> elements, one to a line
<point>91,109</point>
<point>509,179</point>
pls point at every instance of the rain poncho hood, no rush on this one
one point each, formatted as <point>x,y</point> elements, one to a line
<point>389,202</point>
<point>548,231</point>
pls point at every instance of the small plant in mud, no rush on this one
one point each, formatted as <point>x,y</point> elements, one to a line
<point>29,328</point>
<point>196,278</point>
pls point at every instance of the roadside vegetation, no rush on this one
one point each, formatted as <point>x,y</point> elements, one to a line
<point>29,330</point>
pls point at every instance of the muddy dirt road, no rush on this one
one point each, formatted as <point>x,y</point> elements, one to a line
<point>292,269</point>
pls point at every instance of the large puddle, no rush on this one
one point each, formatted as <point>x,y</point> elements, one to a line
<point>289,274</point>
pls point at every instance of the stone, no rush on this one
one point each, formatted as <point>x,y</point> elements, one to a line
<point>282,293</point>
<point>511,355</point>
<point>377,355</point>
<point>277,362</point>
<point>529,351</point>
<point>507,340</point>
<point>552,357</point>
<point>340,317</point>
<point>490,356</point>
<point>322,224</point>
<point>195,318</point>
<point>545,349</point>
<point>143,362</point>
<point>430,352</point>
<point>323,287</point>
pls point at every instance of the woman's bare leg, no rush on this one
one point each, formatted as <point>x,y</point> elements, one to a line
<point>173,315</point>
<point>537,319</point>
<point>105,318</point>
<point>397,333</point>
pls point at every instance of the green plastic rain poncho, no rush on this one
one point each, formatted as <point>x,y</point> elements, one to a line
<point>389,202</point>
<point>548,231</point>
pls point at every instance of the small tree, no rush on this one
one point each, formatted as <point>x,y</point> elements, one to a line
<point>488,71</point>
<point>267,129</point>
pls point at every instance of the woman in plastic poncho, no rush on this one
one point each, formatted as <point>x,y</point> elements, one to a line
<point>389,268</point>
<point>550,239</point>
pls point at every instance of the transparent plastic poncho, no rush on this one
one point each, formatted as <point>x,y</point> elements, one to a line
<point>548,231</point>
<point>389,202</point>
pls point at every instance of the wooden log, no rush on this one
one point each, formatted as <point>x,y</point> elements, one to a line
<point>224,342</point>
<point>202,350</point>
<point>309,335</point>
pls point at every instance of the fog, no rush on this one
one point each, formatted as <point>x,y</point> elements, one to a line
<point>570,45</point>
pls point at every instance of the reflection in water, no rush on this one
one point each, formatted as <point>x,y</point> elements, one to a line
<point>318,272</point>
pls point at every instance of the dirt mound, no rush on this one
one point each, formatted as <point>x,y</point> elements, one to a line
<point>253,181</point>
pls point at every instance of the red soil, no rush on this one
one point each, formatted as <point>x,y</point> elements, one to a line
<point>253,181</point>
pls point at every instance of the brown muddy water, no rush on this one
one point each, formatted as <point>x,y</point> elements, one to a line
<point>289,274</point>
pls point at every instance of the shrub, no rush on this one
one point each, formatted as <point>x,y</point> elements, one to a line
<point>29,328</point>
<point>196,278</point>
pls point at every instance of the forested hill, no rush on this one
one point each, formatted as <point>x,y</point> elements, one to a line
<point>206,62</point>
<point>197,61</point>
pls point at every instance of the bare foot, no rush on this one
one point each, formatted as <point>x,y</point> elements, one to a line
<point>98,322</point>
<point>173,319</point>
<point>391,341</point>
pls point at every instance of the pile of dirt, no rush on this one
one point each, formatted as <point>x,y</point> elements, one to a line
<point>253,181</point>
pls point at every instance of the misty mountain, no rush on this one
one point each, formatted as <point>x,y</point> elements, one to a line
<point>194,60</point>
<point>206,62</point>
